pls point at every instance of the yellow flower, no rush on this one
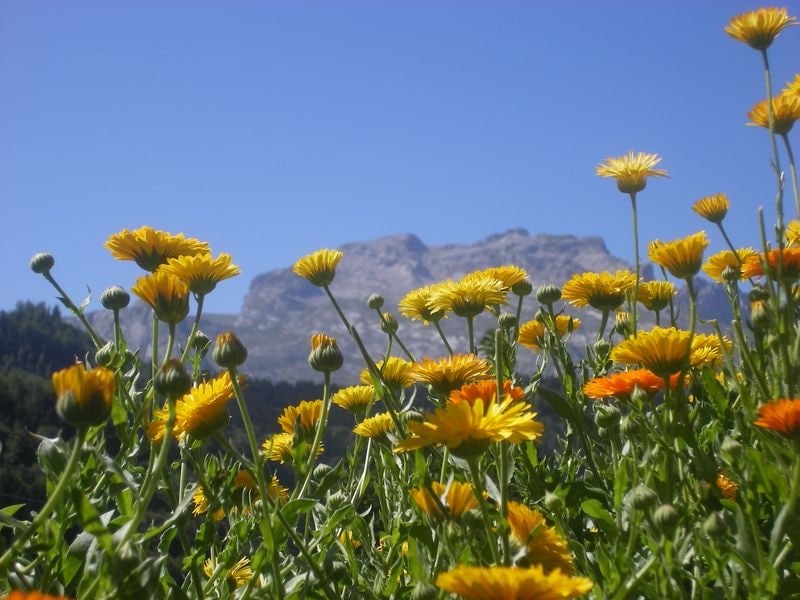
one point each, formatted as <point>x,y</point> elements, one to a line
<point>395,371</point>
<point>167,295</point>
<point>631,171</point>
<point>375,426</point>
<point>279,447</point>
<point>451,372</point>
<point>416,305</point>
<point>467,428</point>
<point>602,291</point>
<point>355,399</point>
<point>785,111</point>
<point>151,248</point>
<point>457,498</point>
<point>707,350</point>
<point>717,263</point>
<point>782,416</point>
<point>793,233</point>
<point>239,574</point>
<point>655,295</point>
<point>681,257</point>
<point>531,334</point>
<point>319,267</point>
<point>512,583</point>
<point>662,350</point>
<point>245,481</point>
<point>469,296</point>
<point>83,398</point>
<point>508,275</point>
<point>793,87</point>
<point>306,415</point>
<point>758,28</point>
<point>726,487</point>
<point>202,504</point>
<point>712,208</point>
<point>201,272</point>
<point>544,546</point>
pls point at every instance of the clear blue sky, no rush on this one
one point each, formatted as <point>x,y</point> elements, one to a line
<point>271,129</point>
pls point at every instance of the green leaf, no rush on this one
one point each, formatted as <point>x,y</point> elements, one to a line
<point>94,523</point>
<point>296,508</point>
<point>594,508</point>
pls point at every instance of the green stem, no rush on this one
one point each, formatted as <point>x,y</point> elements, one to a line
<point>787,511</point>
<point>793,171</point>
<point>195,327</point>
<point>636,254</point>
<point>477,480</point>
<point>471,334</point>
<point>170,342</point>
<point>154,357</point>
<point>98,342</point>
<point>775,156</point>
<point>603,324</point>
<point>318,435</point>
<point>502,463</point>
<point>117,331</point>
<point>441,335</point>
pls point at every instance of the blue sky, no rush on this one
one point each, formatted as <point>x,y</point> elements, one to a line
<point>271,129</point>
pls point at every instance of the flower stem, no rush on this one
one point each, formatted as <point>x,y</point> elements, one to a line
<point>471,334</point>
<point>502,462</point>
<point>74,309</point>
<point>441,335</point>
<point>793,171</point>
<point>477,480</point>
<point>634,302</point>
<point>195,326</point>
<point>788,509</point>
<point>775,156</point>
<point>318,435</point>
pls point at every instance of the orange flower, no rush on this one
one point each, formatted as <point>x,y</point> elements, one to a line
<point>782,416</point>
<point>726,487</point>
<point>622,385</point>
<point>485,389</point>
<point>754,265</point>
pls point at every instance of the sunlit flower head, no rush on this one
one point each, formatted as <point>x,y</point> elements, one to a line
<point>717,263</point>
<point>512,583</point>
<point>456,498</point>
<point>395,371</point>
<point>33,595</point>
<point>782,416</point>
<point>239,574</point>
<point>708,351</point>
<point>166,294</point>
<point>681,257</point>
<point>151,248</point>
<point>602,291</point>
<point>532,334</point>
<point>355,399</point>
<point>759,28</point>
<point>376,426</point>
<point>201,272</point>
<point>631,170</point>
<point>789,259</point>
<point>469,296</point>
<point>726,487</point>
<point>280,447</point>
<point>543,545</point>
<point>508,275</point>
<point>785,112</point>
<point>662,350</point>
<point>202,504</point>
<point>305,415</point>
<point>793,233</point>
<point>655,295</point>
<point>416,305</point>
<point>319,267</point>
<point>623,384</point>
<point>712,208</point>
<point>486,389</point>
<point>84,397</point>
<point>450,372</point>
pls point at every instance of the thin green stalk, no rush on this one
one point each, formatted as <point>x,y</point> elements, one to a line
<point>117,330</point>
<point>318,435</point>
<point>477,481</point>
<point>471,334</point>
<point>98,342</point>
<point>154,357</point>
<point>441,335</point>
<point>775,156</point>
<point>787,512</point>
<point>195,326</point>
<point>502,463</point>
<point>636,254</point>
<point>519,315</point>
<point>170,342</point>
<point>603,324</point>
<point>793,171</point>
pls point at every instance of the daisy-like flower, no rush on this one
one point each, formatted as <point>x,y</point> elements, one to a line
<point>396,372</point>
<point>450,372</point>
<point>726,487</point>
<point>84,397</point>
<point>279,447</point>
<point>785,112</point>
<point>712,208</point>
<point>793,233</point>
<point>245,481</point>
<point>508,275</point>
<point>151,248</point>
<point>655,295</point>
<point>663,350</point>
<point>631,170</point>
<point>202,504</point>
<point>602,291</point>
<point>355,399</point>
<point>486,389</point>
<point>18,595</point>
<point>717,263</point>
<point>708,351</point>
<point>416,305</point>
<point>376,426</point>
<point>456,498</point>
<point>759,28</point>
<point>531,334</point>
<point>622,385</point>
<point>512,583</point>
<point>543,545</point>
<point>467,428</point>
<point>790,259</point>
<point>319,267</point>
<point>201,272</point>
<point>239,574</point>
<point>306,415</point>
<point>681,257</point>
<point>166,294</point>
<point>781,416</point>
<point>792,87</point>
<point>469,296</point>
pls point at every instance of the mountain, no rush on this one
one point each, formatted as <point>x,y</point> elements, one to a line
<point>282,310</point>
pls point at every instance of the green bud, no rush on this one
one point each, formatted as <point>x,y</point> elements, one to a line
<point>42,262</point>
<point>731,274</point>
<point>424,590</point>
<point>336,500</point>
<point>105,355</point>
<point>548,294</point>
<point>758,293</point>
<point>602,348</point>
<point>389,324</point>
<point>172,380</point>
<point>229,351</point>
<point>201,343</point>
<point>760,314</point>
<point>642,497</point>
<point>375,301</point>
<point>540,316</point>
<point>665,518</point>
<point>629,426</point>
<point>639,396</point>
<point>553,501</point>
<point>522,289</point>
<point>607,416</point>
<point>507,320</point>
<point>325,354</point>
<point>115,298</point>
<point>320,471</point>
<point>714,526</point>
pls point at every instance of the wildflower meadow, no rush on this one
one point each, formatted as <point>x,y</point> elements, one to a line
<point>676,475</point>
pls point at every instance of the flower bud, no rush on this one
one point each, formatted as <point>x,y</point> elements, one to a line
<point>602,348</point>
<point>84,397</point>
<point>607,416</point>
<point>335,501</point>
<point>105,355</point>
<point>115,298</point>
<point>714,526</point>
<point>229,351</point>
<point>639,396</point>
<point>731,274</point>
<point>629,426</point>
<point>389,324</point>
<point>759,314</point>
<point>553,501</point>
<point>758,293</point>
<point>42,262</point>
<point>642,497</point>
<point>172,380</point>
<point>522,288</point>
<point>201,343</point>
<point>375,301</point>
<point>623,325</point>
<point>507,320</point>
<point>325,354</point>
<point>548,294</point>
<point>320,471</point>
<point>424,590</point>
<point>665,518</point>
<point>540,316</point>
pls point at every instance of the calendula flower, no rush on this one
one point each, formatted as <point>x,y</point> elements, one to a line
<point>759,28</point>
<point>717,263</point>
<point>469,296</point>
<point>793,233</point>
<point>416,305</point>
<point>375,426</point>
<point>543,545</point>
<point>355,399</point>
<point>305,415</point>
<point>785,112</point>
<point>531,334</point>
<point>602,291</point>
<point>201,272</point>
<point>781,416</point>
<point>708,351</point>
<point>789,259</point>
<point>712,208</point>
<point>319,267</point>
<point>279,447</point>
<point>793,87</point>
<point>457,498</point>
<point>681,257</point>
<point>84,397</point>
<point>486,389</point>
<point>151,248</point>
<point>662,350</point>
<point>622,385</point>
<point>244,481</point>
<point>726,487</point>
<point>508,275</point>
<point>451,372</point>
<point>18,595</point>
<point>655,295</point>
<point>239,574</point>
<point>202,504</point>
<point>395,371</point>
<point>631,170</point>
<point>512,583</point>
<point>166,294</point>
<point>467,428</point>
